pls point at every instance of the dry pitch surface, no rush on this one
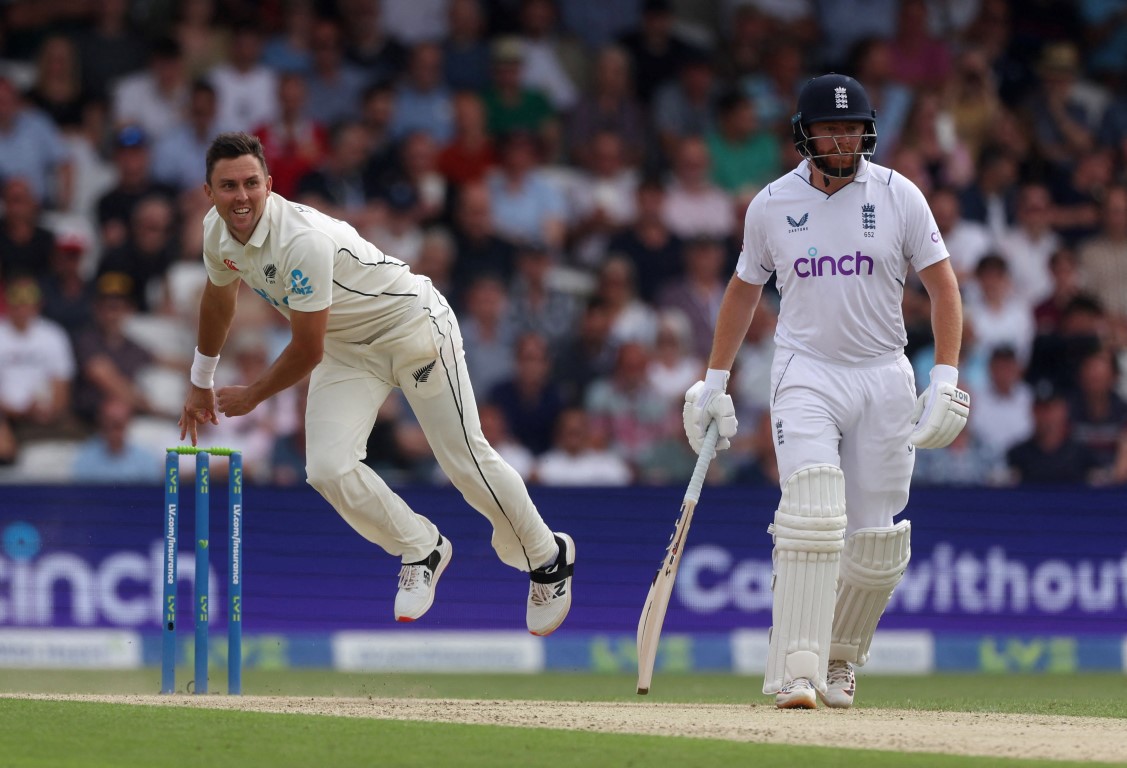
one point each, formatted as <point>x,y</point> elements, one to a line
<point>996,735</point>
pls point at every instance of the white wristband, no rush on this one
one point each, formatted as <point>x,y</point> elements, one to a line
<point>716,379</point>
<point>203,370</point>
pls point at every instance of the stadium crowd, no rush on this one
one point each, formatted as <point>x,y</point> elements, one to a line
<point>573,174</point>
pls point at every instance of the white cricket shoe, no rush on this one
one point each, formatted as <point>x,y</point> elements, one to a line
<point>418,580</point>
<point>797,694</point>
<point>841,683</point>
<point>549,590</point>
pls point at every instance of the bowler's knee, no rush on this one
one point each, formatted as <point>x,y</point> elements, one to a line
<point>322,473</point>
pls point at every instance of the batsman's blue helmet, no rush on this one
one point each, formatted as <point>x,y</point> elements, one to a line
<point>833,97</point>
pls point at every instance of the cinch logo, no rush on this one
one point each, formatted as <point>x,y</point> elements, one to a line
<point>814,265</point>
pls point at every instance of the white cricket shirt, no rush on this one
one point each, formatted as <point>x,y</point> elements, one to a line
<point>299,259</point>
<point>840,260</point>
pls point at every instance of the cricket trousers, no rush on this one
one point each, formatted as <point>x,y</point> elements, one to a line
<point>423,355</point>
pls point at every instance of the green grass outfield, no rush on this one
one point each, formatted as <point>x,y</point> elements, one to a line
<point>90,735</point>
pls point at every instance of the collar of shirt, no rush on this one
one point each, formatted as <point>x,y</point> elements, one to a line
<point>806,166</point>
<point>261,230</point>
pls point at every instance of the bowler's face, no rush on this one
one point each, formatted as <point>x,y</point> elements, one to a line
<point>238,189</point>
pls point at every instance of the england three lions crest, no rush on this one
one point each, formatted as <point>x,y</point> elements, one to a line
<point>868,216</point>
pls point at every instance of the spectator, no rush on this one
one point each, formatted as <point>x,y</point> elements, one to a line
<point>920,59</point>
<point>697,295</point>
<point>109,49</point>
<point>997,316</point>
<point>341,187</point>
<point>204,41</point>
<point>465,52</point>
<point>295,145</point>
<point>1103,257</point>
<point>694,206</point>
<point>57,89</point>
<point>510,105</point>
<point>554,63</point>
<point>579,455</point>
<point>31,147</point>
<point>25,244</point>
<point>423,102</point>
<point>845,22</point>
<point>744,158</point>
<point>1056,356</point>
<point>367,44</point>
<point>871,59</point>
<point>991,199</point>
<point>377,109</point>
<point>1064,117</point>
<point>133,162</point>
<point>287,456</point>
<point>631,319</point>
<point>67,295</point>
<point>436,259</point>
<point>967,241</point>
<point>1051,456</point>
<point>416,167</point>
<point>397,230</point>
<point>478,247</point>
<point>1098,414</point>
<point>109,363</point>
<point>179,154</point>
<point>673,366</point>
<point>334,85</point>
<point>148,252</point>
<point>1003,407</point>
<point>109,456</point>
<point>642,426</point>
<point>609,104</point>
<point>602,198</point>
<point>683,108</point>
<point>246,89</point>
<point>526,205</point>
<point>1078,196</point>
<point>773,87</point>
<point>470,153</point>
<point>648,243</point>
<point>289,50</point>
<point>155,98</point>
<point>1028,245</point>
<point>488,332</point>
<point>531,398</point>
<point>971,97</point>
<point>656,49</point>
<point>589,356</point>
<point>751,375</point>
<point>36,366</point>
<point>1064,268</point>
<point>537,305</point>
<point>930,131</point>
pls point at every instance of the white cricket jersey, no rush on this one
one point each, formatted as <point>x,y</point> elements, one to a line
<point>840,260</point>
<point>300,259</point>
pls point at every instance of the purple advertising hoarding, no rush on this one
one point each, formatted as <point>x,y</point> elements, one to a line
<point>1016,561</point>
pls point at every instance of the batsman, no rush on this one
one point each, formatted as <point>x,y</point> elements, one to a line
<point>839,233</point>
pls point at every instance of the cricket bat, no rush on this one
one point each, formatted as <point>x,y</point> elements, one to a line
<point>657,601</point>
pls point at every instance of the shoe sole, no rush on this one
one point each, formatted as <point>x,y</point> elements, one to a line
<point>799,702</point>
<point>569,558</point>
<point>433,584</point>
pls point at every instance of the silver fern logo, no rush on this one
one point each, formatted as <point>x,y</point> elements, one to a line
<point>422,374</point>
<point>271,273</point>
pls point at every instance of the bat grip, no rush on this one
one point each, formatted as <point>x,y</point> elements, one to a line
<point>707,453</point>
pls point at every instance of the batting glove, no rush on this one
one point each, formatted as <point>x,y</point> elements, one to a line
<point>941,411</point>
<point>705,402</point>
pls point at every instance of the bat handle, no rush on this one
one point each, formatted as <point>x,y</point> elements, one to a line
<point>707,453</point>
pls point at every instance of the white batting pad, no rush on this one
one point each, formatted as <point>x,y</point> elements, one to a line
<point>809,531</point>
<point>874,562</point>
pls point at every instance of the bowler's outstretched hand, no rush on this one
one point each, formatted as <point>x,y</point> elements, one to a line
<point>941,411</point>
<point>199,408</point>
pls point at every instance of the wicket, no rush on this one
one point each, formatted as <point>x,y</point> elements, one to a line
<point>234,566</point>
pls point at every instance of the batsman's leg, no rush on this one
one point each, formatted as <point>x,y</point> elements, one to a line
<point>872,566</point>
<point>808,530</point>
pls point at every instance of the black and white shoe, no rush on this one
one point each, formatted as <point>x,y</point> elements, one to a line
<point>549,590</point>
<point>418,580</point>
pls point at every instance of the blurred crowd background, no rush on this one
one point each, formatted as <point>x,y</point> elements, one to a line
<point>573,175</point>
